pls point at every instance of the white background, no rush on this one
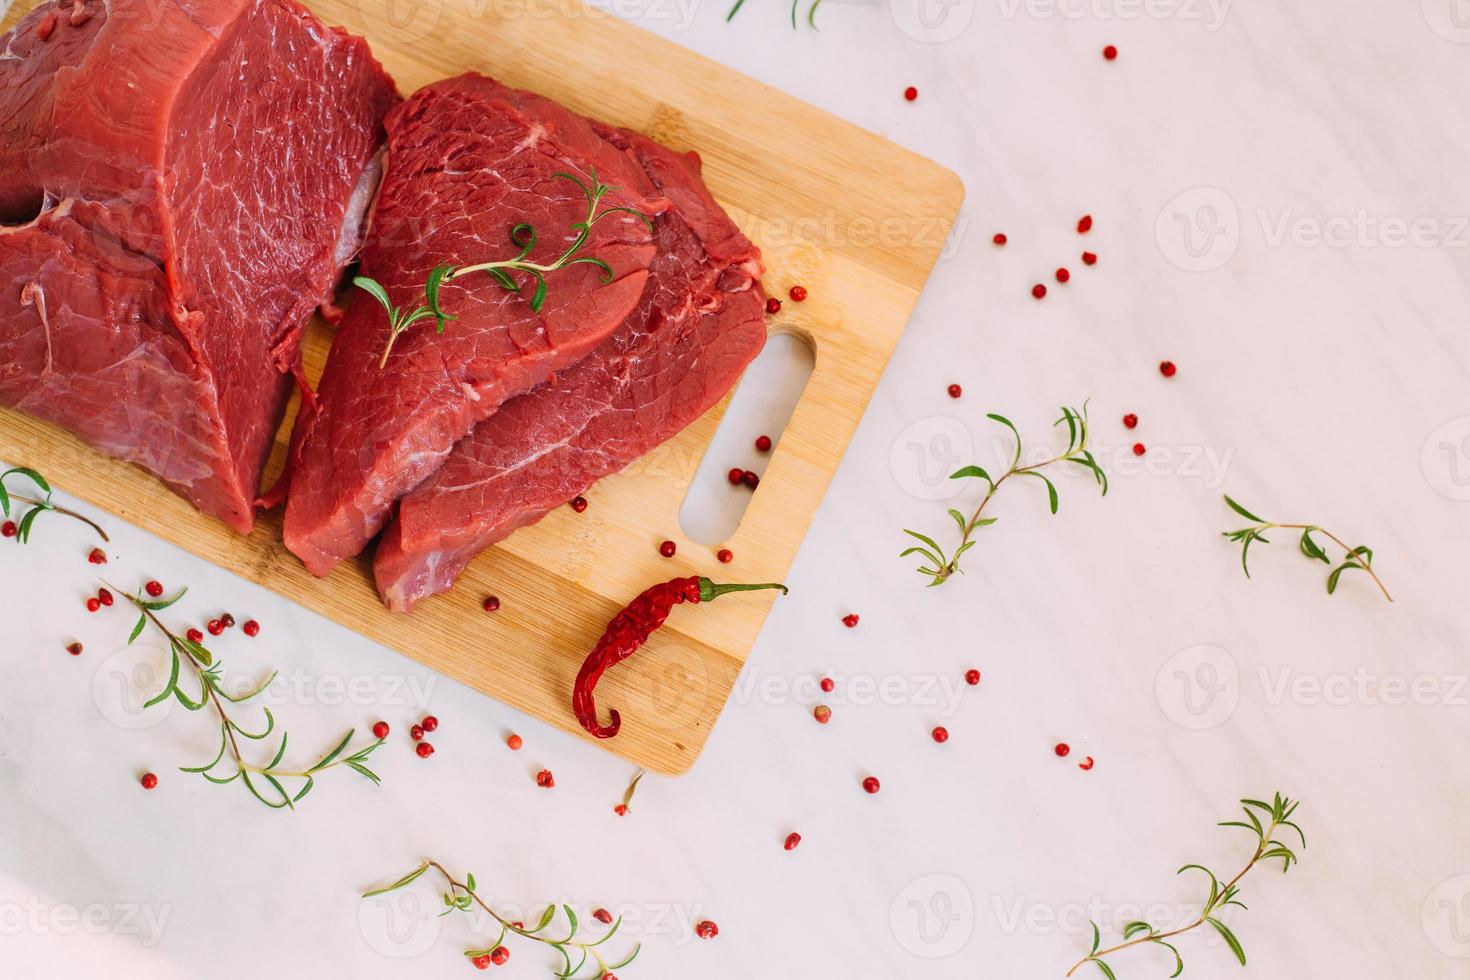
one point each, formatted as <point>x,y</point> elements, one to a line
<point>1252,169</point>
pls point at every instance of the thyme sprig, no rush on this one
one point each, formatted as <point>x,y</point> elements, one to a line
<point>38,505</point>
<point>461,897</point>
<point>1273,817</point>
<point>522,237</point>
<point>208,671</point>
<point>941,566</point>
<point>1359,558</point>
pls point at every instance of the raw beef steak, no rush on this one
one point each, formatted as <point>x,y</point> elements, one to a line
<point>468,160</point>
<point>699,323</point>
<point>177,182</point>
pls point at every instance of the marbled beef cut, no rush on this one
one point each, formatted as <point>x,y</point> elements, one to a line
<point>180,184</point>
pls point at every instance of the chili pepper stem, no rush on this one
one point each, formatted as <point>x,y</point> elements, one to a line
<point>709,591</point>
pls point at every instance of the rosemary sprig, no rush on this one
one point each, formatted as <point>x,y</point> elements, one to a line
<point>208,672</point>
<point>1276,815</point>
<point>811,13</point>
<point>461,896</point>
<point>941,566</point>
<point>523,237</point>
<point>1360,558</point>
<point>38,505</point>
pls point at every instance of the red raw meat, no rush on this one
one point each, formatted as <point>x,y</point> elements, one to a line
<point>698,324</point>
<point>180,183</point>
<point>467,160</point>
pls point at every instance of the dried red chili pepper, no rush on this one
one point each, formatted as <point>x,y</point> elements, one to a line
<point>630,629</point>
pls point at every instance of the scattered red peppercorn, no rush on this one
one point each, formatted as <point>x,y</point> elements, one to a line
<point>870,785</point>
<point>999,238</point>
<point>1062,750</point>
<point>8,529</point>
<point>75,649</point>
<point>416,732</point>
<point>1084,224</point>
<point>910,93</point>
<point>972,677</point>
<point>430,723</point>
<point>1089,258</point>
<point>544,779</point>
<point>215,627</point>
<point>773,306</point>
<point>736,476</point>
<point>828,684</point>
<point>822,713</point>
<point>941,734</point>
<point>751,479</point>
<point>491,603</point>
<point>1130,421</point>
<point>381,729</point>
<point>579,504</point>
<point>514,741</point>
<point>797,294</point>
<point>725,556</point>
<point>850,620</point>
<point>93,604</point>
<point>251,628</point>
<point>1063,275</point>
<point>763,444</point>
<point>603,916</point>
<point>667,549</point>
<point>1085,764</point>
<point>621,809</point>
<point>1038,291</point>
<point>791,841</point>
<point>153,588</point>
<point>424,749</point>
<point>1139,449</point>
<point>1167,369</point>
<point>1110,52</point>
<point>194,635</point>
<point>149,780</point>
<point>955,391</point>
<point>706,929</point>
<point>482,962</point>
<point>104,597</point>
<point>97,556</point>
<point>228,620</point>
<point>499,955</point>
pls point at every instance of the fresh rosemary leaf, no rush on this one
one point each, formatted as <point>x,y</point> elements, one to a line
<point>1359,558</point>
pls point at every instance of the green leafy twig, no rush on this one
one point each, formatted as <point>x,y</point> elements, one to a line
<point>461,896</point>
<point>1359,558</point>
<point>207,670</point>
<point>522,237</point>
<point>1273,817</point>
<point>940,566</point>
<point>811,12</point>
<point>38,505</point>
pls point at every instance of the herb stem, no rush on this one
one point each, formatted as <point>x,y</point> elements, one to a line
<point>64,511</point>
<point>1341,544</point>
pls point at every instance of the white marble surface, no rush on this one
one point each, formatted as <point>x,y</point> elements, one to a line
<point>1322,378</point>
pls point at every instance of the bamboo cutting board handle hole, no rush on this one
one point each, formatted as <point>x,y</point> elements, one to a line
<point>763,404</point>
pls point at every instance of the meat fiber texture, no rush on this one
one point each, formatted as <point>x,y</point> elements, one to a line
<point>700,321</point>
<point>176,181</point>
<point>468,159</point>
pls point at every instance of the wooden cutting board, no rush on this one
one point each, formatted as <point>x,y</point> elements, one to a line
<point>858,220</point>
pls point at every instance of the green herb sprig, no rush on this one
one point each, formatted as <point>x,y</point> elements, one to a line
<point>941,566</point>
<point>461,897</point>
<point>38,505</point>
<point>1272,817</point>
<point>522,237</point>
<point>184,651</point>
<point>1359,558</point>
<point>811,12</point>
